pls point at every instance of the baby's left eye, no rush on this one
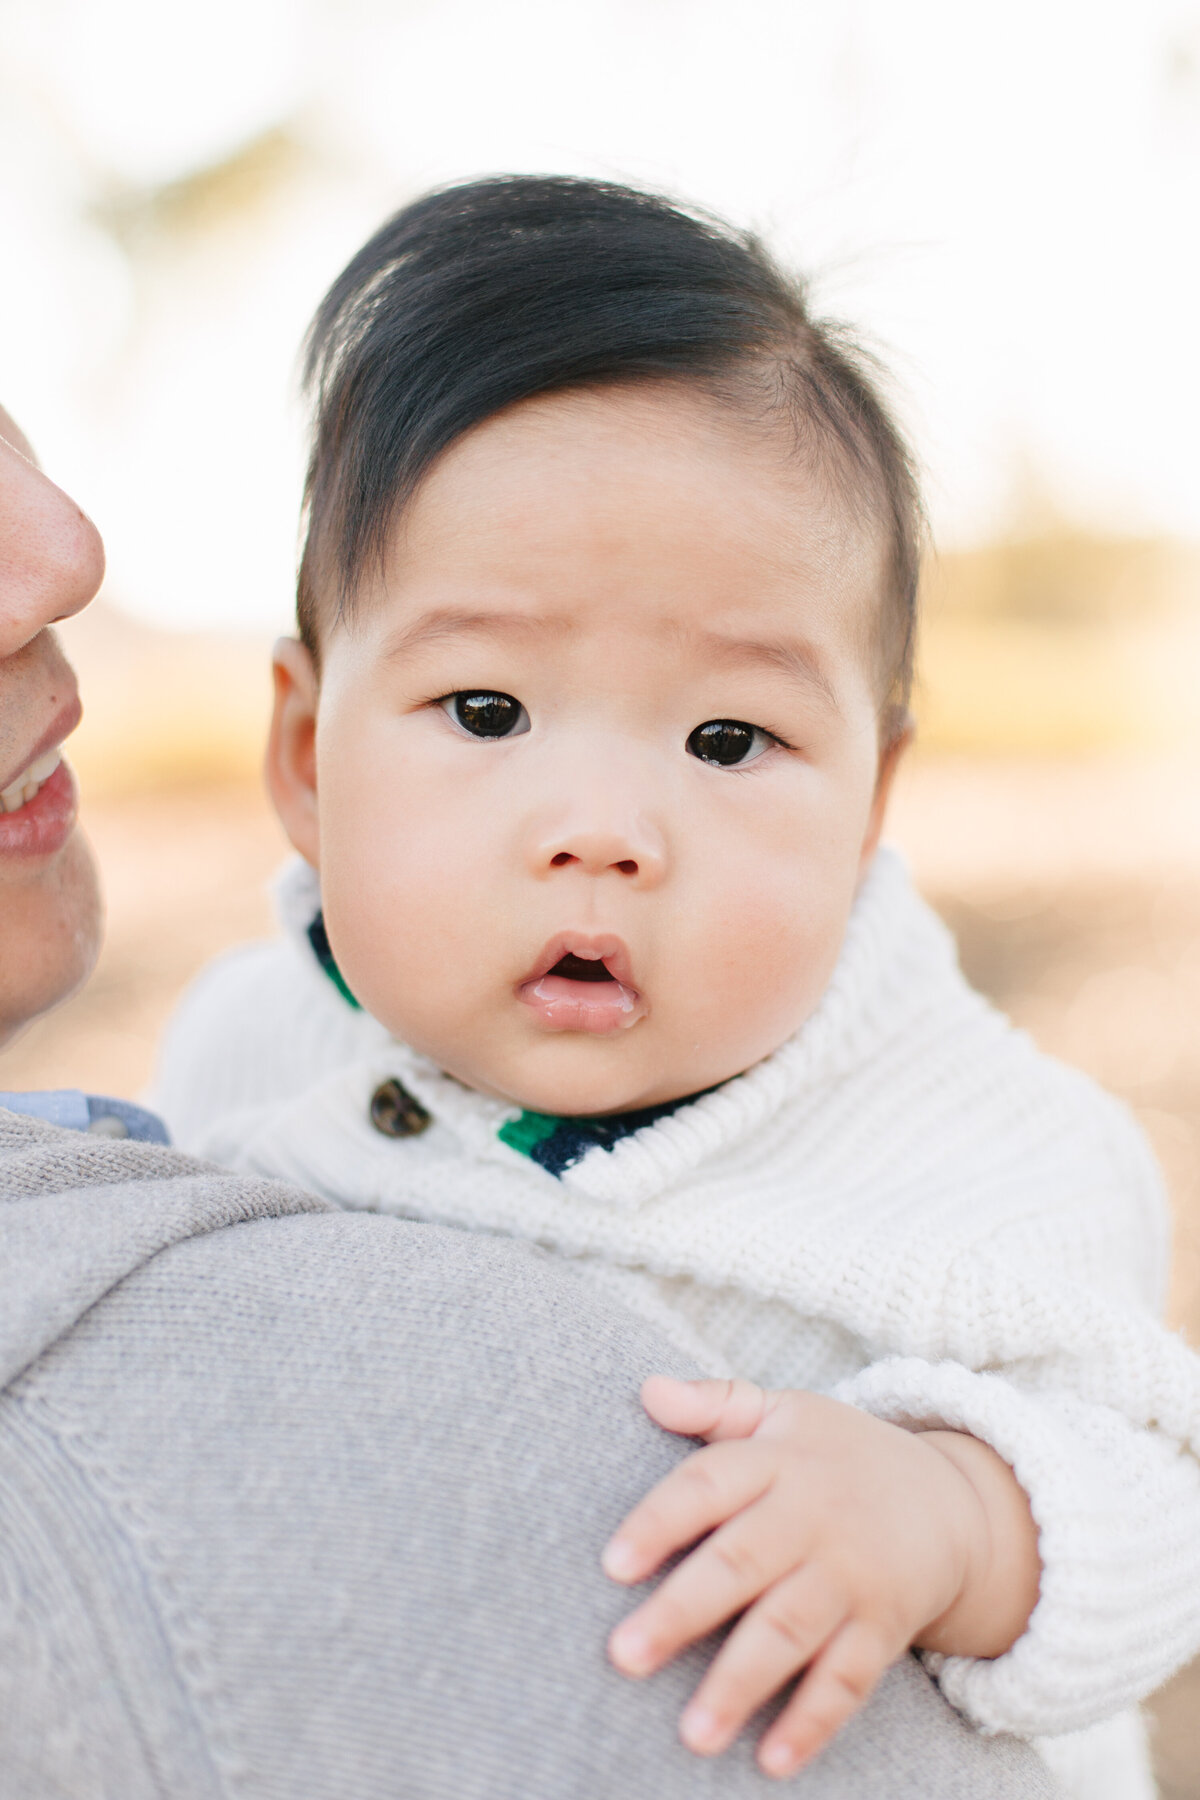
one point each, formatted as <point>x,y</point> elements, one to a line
<point>727,742</point>
<point>486,714</point>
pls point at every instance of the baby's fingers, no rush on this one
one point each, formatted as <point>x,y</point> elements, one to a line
<point>706,1489</point>
<point>841,1679</point>
<point>718,1580</point>
<point>707,1409</point>
<point>776,1639</point>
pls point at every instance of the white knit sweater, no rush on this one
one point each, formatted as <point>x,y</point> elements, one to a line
<point>906,1206</point>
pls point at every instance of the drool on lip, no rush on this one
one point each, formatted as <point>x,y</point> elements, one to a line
<point>581,984</point>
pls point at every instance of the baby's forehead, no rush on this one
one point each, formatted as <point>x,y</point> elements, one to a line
<point>658,487</point>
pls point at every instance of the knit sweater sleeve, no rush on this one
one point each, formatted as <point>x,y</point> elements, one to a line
<point>1114,1490</point>
<point>1117,1508</point>
<point>1076,1384</point>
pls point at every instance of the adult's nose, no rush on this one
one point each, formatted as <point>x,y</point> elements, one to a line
<point>51,556</point>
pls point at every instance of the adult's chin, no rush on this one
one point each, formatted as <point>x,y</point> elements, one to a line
<point>51,928</point>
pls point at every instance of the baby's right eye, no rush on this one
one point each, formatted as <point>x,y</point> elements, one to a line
<point>485,714</point>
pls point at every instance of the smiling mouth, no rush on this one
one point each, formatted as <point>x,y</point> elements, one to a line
<point>582,984</point>
<point>29,782</point>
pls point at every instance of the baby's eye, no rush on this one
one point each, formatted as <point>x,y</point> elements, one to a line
<point>486,714</point>
<point>726,742</point>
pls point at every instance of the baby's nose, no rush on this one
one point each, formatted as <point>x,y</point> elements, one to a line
<point>635,852</point>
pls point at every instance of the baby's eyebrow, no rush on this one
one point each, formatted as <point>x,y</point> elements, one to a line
<point>797,659</point>
<point>437,626</point>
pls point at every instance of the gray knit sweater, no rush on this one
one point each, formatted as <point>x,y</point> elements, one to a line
<point>296,1505</point>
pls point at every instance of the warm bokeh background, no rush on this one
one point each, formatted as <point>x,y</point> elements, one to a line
<point>1008,205</point>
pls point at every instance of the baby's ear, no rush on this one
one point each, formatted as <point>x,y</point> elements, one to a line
<point>291,760</point>
<point>896,734</point>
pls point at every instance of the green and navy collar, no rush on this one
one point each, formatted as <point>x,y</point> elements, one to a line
<point>318,938</point>
<point>556,1144</point>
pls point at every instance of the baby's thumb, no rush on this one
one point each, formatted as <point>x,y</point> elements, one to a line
<point>705,1409</point>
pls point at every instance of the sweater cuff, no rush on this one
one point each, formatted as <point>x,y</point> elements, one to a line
<point>1118,1516</point>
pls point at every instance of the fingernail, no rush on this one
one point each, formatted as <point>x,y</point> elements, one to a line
<point>777,1759</point>
<point>630,1649</point>
<point>620,1560</point>
<point>700,1729</point>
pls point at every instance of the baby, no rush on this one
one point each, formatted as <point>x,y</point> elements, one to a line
<point>606,637</point>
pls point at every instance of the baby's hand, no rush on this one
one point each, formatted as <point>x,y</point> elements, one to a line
<point>845,1538</point>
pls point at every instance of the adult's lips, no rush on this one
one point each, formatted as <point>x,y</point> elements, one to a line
<point>38,801</point>
<point>42,824</point>
<point>583,981</point>
<point>61,726</point>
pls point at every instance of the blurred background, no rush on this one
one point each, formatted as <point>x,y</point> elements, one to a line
<point>1004,202</point>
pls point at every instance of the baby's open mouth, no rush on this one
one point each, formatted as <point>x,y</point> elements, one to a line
<point>577,968</point>
<point>582,983</point>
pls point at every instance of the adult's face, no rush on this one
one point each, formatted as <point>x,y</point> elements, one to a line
<point>51,563</point>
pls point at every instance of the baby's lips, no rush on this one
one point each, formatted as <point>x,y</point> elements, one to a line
<point>589,946</point>
<point>598,1007</point>
<point>563,1002</point>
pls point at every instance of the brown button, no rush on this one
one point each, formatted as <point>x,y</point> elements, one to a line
<point>396,1113</point>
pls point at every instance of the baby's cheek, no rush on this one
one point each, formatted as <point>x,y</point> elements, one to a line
<point>775,964</point>
<point>408,922</point>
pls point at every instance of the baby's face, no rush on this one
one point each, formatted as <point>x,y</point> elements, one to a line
<point>594,771</point>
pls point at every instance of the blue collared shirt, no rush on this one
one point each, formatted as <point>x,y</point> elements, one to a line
<point>89,1112</point>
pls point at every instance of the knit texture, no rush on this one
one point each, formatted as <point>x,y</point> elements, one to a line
<point>308,1506</point>
<point>907,1206</point>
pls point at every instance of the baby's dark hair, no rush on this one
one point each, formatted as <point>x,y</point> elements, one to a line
<point>489,292</point>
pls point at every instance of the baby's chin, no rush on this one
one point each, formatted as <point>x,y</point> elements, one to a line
<point>574,1086</point>
<point>569,1074</point>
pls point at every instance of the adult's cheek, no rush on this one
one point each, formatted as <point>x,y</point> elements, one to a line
<point>51,927</point>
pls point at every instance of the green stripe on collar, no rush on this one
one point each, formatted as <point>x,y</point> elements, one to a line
<point>531,1129</point>
<point>319,940</point>
<point>558,1144</point>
